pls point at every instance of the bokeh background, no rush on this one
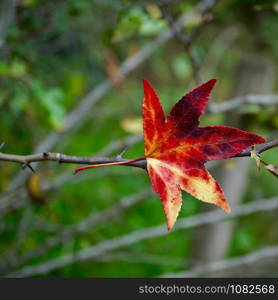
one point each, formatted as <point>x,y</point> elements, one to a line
<point>71,82</point>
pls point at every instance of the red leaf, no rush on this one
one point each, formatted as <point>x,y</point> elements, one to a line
<point>176,149</point>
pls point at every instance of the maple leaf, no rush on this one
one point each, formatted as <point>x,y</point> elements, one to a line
<point>176,149</point>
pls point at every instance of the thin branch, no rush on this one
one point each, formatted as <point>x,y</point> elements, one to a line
<point>63,158</point>
<point>259,149</point>
<point>120,144</point>
<point>118,160</point>
<point>28,165</point>
<point>97,250</point>
<point>17,198</point>
<point>263,100</point>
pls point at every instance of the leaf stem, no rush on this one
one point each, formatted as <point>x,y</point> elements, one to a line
<point>109,164</point>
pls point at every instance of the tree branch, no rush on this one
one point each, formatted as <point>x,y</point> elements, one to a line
<point>64,158</point>
<point>26,160</point>
<point>260,149</point>
<point>263,100</point>
<point>18,198</point>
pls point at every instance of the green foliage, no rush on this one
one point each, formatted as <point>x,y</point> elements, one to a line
<point>137,21</point>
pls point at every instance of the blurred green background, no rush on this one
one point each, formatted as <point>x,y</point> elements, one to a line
<point>53,54</point>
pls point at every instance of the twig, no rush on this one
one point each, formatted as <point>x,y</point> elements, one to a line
<point>259,149</point>
<point>145,234</point>
<point>263,100</point>
<point>121,143</point>
<point>63,158</point>
<point>28,165</point>
<point>122,153</point>
<point>17,198</point>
